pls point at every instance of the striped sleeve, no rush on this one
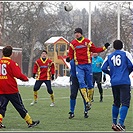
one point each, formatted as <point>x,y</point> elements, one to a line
<point>105,65</point>
<point>71,51</point>
<point>129,56</point>
<point>129,61</point>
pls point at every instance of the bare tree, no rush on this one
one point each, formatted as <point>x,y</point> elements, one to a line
<point>25,21</point>
<point>29,24</point>
<point>104,24</point>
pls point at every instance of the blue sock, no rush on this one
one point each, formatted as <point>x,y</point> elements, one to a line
<point>115,112</point>
<point>72,105</point>
<point>123,114</point>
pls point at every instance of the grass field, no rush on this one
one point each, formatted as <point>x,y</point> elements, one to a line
<point>56,118</point>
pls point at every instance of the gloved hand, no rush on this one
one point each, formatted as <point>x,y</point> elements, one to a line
<point>52,77</point>
<point>106,45</point>
<point>104,78</point>
<point>34,75</point>
<point>68,59</point>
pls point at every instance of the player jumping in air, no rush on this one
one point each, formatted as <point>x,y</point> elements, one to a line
<point>80,50</point>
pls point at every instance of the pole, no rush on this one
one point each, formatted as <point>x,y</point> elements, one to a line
<point>118,21</point>
<point>89,26</point>
<point>132,28</point>
<point>1,23</point>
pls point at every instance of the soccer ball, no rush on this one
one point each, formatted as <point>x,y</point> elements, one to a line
<point>68,6</point>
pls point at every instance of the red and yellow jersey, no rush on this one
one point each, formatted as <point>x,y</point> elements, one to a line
<point>9,70</point>
<point>80,51</point>
<point>44,69</point>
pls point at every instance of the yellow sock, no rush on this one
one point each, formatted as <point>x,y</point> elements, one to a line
<point>84,93</point>
<point>28,119</point>
<point>1,118</point>
<point>52,97</point>
<point>35,95</point>
<point>90,94</point>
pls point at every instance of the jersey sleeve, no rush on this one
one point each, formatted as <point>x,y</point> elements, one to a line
<point>35,67</point>
<point>71,51</point>
<point>105,66</point>
<point>101,61</point>
<point>16,71</point>
<point>129,61</point>
<point>52,68</point>
<point>95,49</point>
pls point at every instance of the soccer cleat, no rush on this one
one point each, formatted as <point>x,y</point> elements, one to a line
<point>88,106</point>
<point>120,127</point>
<point>114,127</point>
<point>92,100</point>
<point>101,98</point>
<point>101,101</point>
<point>34,123</point>
<point>71,115</point>
<point>2,126</point>
<point>52,105</point>
<point>86,115</point>
<point>34,102</point>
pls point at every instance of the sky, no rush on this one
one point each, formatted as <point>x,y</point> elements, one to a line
<point>81,4</point>
<point>85,4</point>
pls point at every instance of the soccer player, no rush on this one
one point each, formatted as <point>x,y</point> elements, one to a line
<point>74,87</point>
<point>43,71</point>
<point>118,66</point>
<point>97,73</point>
<point>80,50</point>
<point>9,70</point>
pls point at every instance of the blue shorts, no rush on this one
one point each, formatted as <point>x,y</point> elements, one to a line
<point>84,75</point>
<point>121,95</point>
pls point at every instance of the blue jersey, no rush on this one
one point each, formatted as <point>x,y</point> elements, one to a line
<point>73,68</point>
<point>96,64</point>
<point>118,65</point>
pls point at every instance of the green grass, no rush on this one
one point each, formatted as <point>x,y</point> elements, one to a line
<point>56,118</point>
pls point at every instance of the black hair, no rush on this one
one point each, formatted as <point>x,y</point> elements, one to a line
<point>7,51</point>
<point>44,51</point>
<point>117,44</point>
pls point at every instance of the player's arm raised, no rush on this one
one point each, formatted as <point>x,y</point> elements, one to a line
<point>95,49</point>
